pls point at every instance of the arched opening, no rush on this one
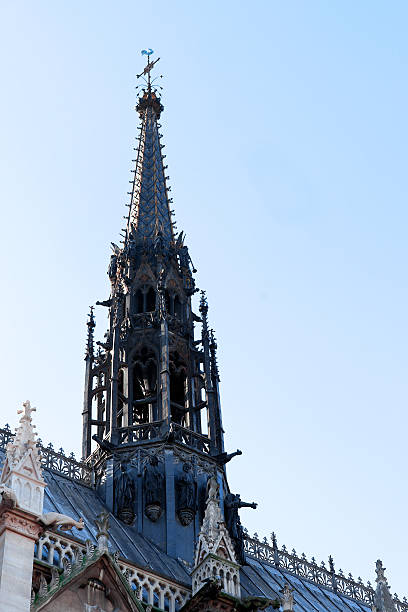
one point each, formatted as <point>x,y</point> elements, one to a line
<point>144,383</point>
<point>150,300</point>
<point>169,302</point>
<point>178,308</point>
<point>145,299</point>
<point>139,301</point>
<point>119,420</point>
<point>178,374</point>
<point>145,594</point>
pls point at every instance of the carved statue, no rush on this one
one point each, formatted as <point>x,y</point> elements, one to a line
<point>153,486</point>
<point>125,492</point>
<point>213,490</point>
<point>232,504</point>
<point>65,523</point>
<point>8,497</point>
<point>113,266</point>
<point>286,598</point>
<point>185,495</point>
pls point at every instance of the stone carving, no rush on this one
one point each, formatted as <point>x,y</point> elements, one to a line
<point>287,598</point>
<point>17,522</point>
<point>8,497</point>
<point>153,485</point>
<point>125,492</point>
<point>65,523</point>
<point>102,534</point>
<point>383,601</point>
<point>232,504</point>
<point>22,468</point>
<point>186,495</point>
<point>215,554</point>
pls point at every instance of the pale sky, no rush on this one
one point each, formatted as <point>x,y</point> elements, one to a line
<point>286,138</point>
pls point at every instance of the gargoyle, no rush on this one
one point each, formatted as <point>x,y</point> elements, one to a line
<point>8,497</point>
<point>65,523</point>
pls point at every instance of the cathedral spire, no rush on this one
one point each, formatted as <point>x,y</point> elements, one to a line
<point>149,214</point>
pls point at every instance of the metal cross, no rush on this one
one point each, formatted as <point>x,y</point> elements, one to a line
<point>148,67</point>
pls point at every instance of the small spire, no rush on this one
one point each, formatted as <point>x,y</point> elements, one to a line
<point>89,352</point>
<point>102,534</point>
<point>383,600</point>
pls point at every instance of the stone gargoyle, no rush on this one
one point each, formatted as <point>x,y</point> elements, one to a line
<point>7,496</point>
<point>65,523</point>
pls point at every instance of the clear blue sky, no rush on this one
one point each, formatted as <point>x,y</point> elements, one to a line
<point>286,132</point>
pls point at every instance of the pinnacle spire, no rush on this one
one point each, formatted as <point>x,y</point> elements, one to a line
<point>89,352</point>
<point>149,214</point>
<point>383,601</point>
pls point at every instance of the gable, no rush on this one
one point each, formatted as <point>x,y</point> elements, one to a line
<point>99,587</point>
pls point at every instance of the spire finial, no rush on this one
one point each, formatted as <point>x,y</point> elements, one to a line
<point>148,67</point>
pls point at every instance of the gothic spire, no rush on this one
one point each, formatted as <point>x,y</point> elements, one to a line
<point>149,214</point>
<point>89,352</point>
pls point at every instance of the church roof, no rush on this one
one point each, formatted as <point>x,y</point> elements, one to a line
<point>263,579</point>
<point>74,499</point>
<point>263,575</point>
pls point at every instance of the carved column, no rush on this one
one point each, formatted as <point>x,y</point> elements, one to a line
<point>19,530</point>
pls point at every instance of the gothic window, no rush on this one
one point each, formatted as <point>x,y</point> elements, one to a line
<point>145,594</point>
<point>178,311</point>
<point>166,603</point>
<point>145,299</point>
<point>120,422</point>
<point>150,300</point>
<point>169,302</point>
<point>144,382</point>
<point>139,301</point>
<point>177,388</point>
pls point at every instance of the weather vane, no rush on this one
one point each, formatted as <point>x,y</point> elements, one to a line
<point>149,66</point>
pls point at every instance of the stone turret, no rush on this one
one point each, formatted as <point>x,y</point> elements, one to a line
<point>215,556</point>
<point>22,489</point>
<point>22,468</point>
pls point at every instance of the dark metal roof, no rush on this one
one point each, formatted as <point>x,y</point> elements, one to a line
<point>74,499</point>
<point>263,579</point>
<point>268,568</point>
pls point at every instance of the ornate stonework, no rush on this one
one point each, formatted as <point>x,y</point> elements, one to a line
<point>215,556</point>
<point>22,468</point>
<point>19,522</point>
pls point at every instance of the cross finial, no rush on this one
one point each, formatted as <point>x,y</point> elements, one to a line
<point>148,67</point>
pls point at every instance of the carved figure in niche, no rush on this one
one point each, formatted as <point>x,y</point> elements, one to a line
<point>125,492</point>
<point>153,486</point>
<point>232,503</point>
<point>186,495</point>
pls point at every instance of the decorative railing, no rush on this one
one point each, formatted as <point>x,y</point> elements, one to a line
<point>195,440</point>
<point>140,433</point>
<point>54,460</point>
<point>57,550</point>
<point>310,570</point>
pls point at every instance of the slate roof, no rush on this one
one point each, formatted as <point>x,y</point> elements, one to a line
<point>74,499</point>
<point>257,578</point>
<point>263,579</point>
